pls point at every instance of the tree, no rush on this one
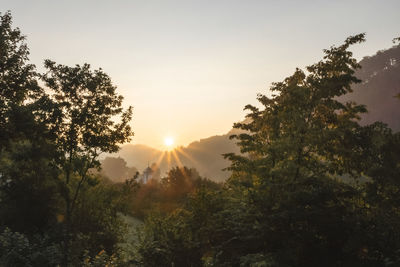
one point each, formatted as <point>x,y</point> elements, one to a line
<point>49,142</point>
<point>17,250</point>
<point>18,79</point>
<point>183,236</point>
<point>29,197</point>
<point>86,108</point>
<point>303,129</point>
<point>26,151</point>
<point>298,150</point>
<point>96,224</point>
<point>116,169</point>
<point>295,151</point>
<point>381,164</point>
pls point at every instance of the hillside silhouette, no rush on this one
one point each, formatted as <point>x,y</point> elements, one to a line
<point>205,155</point>
<point>380,75</point>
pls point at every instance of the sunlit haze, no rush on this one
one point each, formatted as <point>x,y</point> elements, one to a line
<point>169,142</point>
<point>189,67</point>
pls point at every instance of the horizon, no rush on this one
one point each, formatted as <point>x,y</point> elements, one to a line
<point>165,148</point>
<point>170,59</point>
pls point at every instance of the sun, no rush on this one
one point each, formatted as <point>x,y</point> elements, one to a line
<point>169,142</point>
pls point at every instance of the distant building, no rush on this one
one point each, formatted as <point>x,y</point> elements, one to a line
<point>147,175</point>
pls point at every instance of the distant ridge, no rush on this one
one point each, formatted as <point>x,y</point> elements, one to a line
<point>380,75</point>
<point>205,155</point>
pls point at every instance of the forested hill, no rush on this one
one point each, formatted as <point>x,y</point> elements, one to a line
<point>380,75</point>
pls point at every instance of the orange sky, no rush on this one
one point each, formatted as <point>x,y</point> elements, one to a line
<point>189,67</point>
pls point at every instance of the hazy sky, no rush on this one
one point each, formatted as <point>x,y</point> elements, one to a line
<point>189,67</point>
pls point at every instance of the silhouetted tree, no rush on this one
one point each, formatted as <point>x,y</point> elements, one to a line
<point>18,79</point>
<point>116,169</point>
<point>27,187</point>
<point>86,108</point>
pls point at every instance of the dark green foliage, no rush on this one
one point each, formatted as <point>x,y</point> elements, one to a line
<point>95,224</point>
<point>303,130</point>
<point>180,238</point>
<point>17,250</point>
<point>298,148</point>
<point>28,190</point>
<point>382,166</point>
<point>168,194</point>
<point>86,106</point>
<point>49,140</point>
<point>18,81</point>
<point>28,187</point>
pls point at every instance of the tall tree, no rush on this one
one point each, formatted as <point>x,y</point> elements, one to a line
<point>303,129</point>
<point>86,110</point>
<point>26,152</point>
<point>18,79</point>
<point>294,151</point>
<point>49,139</point>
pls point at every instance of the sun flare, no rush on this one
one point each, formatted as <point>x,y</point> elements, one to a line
<point>169,142</point>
